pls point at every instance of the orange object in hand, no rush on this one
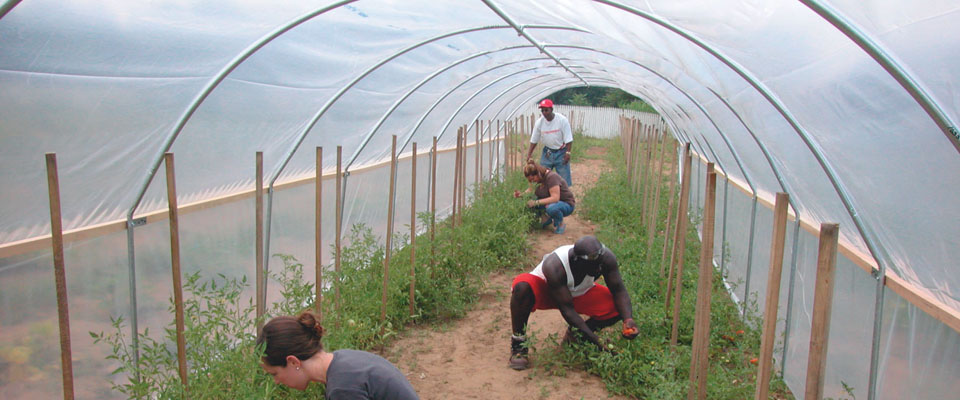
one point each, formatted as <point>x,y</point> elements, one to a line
<point>753,360</point>
<point>629,332</point>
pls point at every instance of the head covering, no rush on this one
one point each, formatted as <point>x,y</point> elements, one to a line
<point>546,103</point>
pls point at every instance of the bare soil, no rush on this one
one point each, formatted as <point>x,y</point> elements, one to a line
<point>467,358</point>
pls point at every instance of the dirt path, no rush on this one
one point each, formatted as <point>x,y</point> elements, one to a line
<point>467,359</point>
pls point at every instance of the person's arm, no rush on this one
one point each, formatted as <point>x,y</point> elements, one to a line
<point>557,282</point>
<point>567,139</point>
<point>621,298</point>
<point>553,198</point>
<point>517,193</point>
<point>530,151</point>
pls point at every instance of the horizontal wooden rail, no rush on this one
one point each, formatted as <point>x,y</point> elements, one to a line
<point>42,242</point>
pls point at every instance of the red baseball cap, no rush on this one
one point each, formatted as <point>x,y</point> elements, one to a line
<point>546,103</point>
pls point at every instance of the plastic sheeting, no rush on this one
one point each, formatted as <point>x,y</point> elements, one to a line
<point>111,85</point>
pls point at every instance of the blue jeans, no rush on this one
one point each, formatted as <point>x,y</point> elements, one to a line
<point>556,212</point>
<point>553,159</point>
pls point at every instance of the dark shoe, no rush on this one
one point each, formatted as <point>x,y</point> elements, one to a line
<point>518,354</point>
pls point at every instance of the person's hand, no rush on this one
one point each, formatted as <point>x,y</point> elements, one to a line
<point>630,330</point>
<point>532,203</point>
<point>516,194</point>
<point>566,158</point>
<point>608,347</point>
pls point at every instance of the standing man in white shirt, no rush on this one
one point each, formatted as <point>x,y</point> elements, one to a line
<point>553,131</point>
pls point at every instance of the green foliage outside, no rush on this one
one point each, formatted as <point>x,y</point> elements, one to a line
<point>600,97</point>
<point>647,367</point>
<point>220,321</point>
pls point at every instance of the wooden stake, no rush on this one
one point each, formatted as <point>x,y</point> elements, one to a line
<point>654,216</point>
<point>822,307</point>
<point>456,181</point>
<point>669,221</point>
<point>318,245</point>
<point>389,244</point>
<point>339,222</point>
<point>413,227</point>
<point>490,151</point>
<point>701,331</point>
<point>476,157</point>
<point>261,293</point>
<point>679,244</point>
<point>463,175</point>
<point>497,146</point>
<point>60,276</point>
<point>765,366</point>
<point>175,261</point>
<point>628,145</point>
<point>648,175</point>
<point>433,208</point>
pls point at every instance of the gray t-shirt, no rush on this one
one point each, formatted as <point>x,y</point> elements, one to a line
<point>359,375</point>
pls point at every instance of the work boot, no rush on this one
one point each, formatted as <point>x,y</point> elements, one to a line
<point>518,353</point>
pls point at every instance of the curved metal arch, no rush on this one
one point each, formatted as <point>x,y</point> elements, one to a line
<point>369,70</point>
<point>172,136</point>
<point>333,99</point>
<point>898,72</point>
<point>343,187</point>
<point>7,7</point>
<point>753,215</point>
<point>521,31</point>
<point>527,100</point>
<point>866,231</point>
<point>449,92</point>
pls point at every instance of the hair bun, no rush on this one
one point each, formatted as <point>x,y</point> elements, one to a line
<point>311,323</point>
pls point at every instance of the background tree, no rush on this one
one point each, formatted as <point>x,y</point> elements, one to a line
<point>599,96</point>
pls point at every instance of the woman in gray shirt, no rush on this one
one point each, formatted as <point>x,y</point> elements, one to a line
<point>294,356</point>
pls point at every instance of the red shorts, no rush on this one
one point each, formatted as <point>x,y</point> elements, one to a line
<point>596,302</point>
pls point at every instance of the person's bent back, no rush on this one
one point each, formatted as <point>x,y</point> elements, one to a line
<point>294,356</point>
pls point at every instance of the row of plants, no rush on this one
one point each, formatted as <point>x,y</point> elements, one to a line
<point>220,315</point>
<point>648,367</point>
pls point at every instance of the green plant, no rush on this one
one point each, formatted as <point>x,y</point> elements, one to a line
<point>220,314</point>
<point>648,367</point>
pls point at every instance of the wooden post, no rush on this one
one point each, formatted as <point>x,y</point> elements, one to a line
<point>60,275</point>
<point>339,222</point>
<point>669,221</point>
<point>822,306</point>
<point>175,261</point>
<point>701,329</point>
<point>476,157</point>
<point>765,365</point>
<point>679,243</point>
<point>497,146</point>
<point>413,226</point>
<point>654,216</point>
<point>389,243</point>
<point>480,154</point>
<point>636,161</point>
<point>490,152</point>
<point>463,175</point>
<point>628,147</point>
<point>318,246</point>
<point>433,208</point>
<point>648,176</point>
<point>261,293</point>
<point>456,181</point>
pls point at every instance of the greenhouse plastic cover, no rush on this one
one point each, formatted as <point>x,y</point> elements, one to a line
<point>774,92</point>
